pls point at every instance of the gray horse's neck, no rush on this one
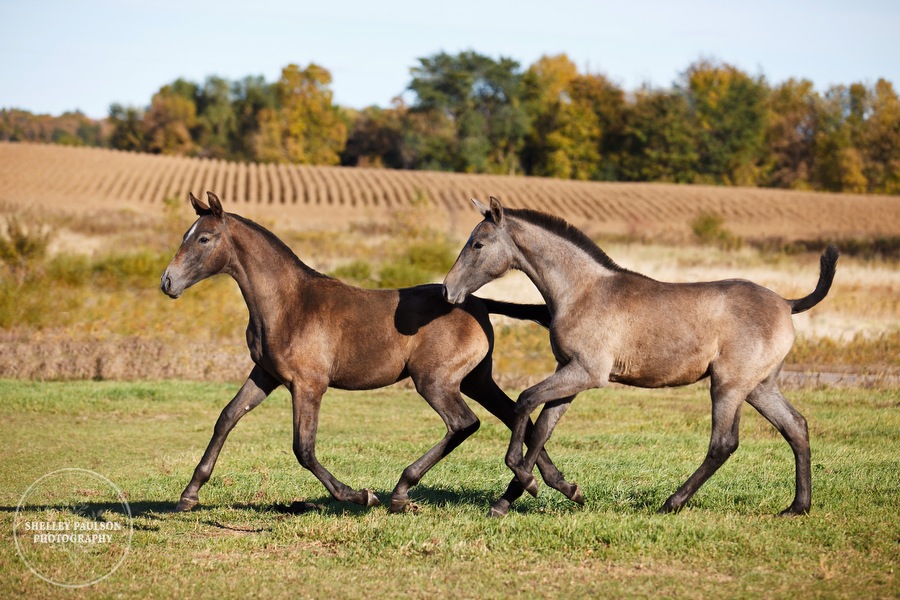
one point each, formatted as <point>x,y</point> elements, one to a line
<point>559,268</point>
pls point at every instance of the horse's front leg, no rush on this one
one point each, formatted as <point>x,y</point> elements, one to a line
<point>256,389</point>
<point>482,388</point>
<point>559,390</point>
<point>537,437</point>
<point>307,400</point>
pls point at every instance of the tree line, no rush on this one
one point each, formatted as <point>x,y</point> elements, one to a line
<point>472,113</point>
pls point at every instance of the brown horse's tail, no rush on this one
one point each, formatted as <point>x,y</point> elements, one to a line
<point>539,313</point>
<point>827,266</point>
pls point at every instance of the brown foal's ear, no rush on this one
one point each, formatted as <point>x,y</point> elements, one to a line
<point>214,205</point>
<point>200,208</point>
<point>484,210</point>
<point>496,211</point>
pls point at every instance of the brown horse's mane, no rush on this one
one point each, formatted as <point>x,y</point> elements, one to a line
<point>567,231</point>
<point>276,243</point>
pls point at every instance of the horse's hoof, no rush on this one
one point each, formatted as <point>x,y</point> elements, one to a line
<point>793,511</point>
<point>499,508</point>
<point>186,504</point>
<point>371,499</point>
<point>668,509</point>
<point>577,497</point>
<point>398,506</point>
<point>403,506</point>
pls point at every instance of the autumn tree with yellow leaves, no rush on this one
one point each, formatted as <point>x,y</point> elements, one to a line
<point>473,113</point>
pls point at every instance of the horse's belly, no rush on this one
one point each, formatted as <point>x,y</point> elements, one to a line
<point>660,380</point>
<point>367,381</point>
<point>668,372</point>
<point>368,370</point>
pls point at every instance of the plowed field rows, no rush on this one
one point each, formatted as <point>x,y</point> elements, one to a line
<point>74,178</point>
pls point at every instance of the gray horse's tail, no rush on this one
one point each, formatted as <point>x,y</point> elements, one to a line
<point>827,266</point>
<point>539,313</point>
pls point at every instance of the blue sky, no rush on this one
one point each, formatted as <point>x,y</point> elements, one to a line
<point>58,55</point>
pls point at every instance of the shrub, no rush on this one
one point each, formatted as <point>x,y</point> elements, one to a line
<point>710,229</point>
<point>421,262</point>
<point>358,272</point>
<point>19,244</point>
<point>435,256</point>
<point>69,270</point>
<point>138,268</point>
<point>32,303</point>
<point>400,274</point>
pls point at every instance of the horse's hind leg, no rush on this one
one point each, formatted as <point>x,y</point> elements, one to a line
<point>726,413</point>
<point>482,388</point>
<point>307,400</point>
<point>461,422</point>
<point>256,389</point>
<point>771,404</point>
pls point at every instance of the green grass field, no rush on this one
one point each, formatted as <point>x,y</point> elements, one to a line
<point>629,449</point>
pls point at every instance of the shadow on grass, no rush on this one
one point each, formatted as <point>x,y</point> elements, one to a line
<point>98,511</point>
<point>422,495</point>
<point>324,504</point>
<point>478,498</point>
<point>633,502</point>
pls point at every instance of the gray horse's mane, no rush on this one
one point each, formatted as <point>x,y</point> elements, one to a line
<point>567,231</point>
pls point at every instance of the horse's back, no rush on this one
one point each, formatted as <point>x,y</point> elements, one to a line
<point>668,334</point>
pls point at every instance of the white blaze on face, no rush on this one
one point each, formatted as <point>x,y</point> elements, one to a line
<point>190,232</point>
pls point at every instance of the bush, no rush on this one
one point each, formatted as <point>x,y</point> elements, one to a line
<point>435,256</point>
<point>69,270</point>
<point>402,274</point>
<point>710,229</point>
<point>358,272</point>
<point>139,268</point>
<point>32,303</point>
<point>421,262</point>
<point>19,244</point>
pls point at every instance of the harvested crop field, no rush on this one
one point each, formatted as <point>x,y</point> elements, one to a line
<point>73,179</point>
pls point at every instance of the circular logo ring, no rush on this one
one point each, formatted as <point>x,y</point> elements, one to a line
<point>117,493</point>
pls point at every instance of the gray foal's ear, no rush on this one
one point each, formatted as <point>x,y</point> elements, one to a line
<point>200,208</point>
<point>496,211</point>
<point>214,205</point>
<point>484,210</point>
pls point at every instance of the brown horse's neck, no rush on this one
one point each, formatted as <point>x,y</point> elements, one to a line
<point>265,269</point>
<point>558,267</point>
